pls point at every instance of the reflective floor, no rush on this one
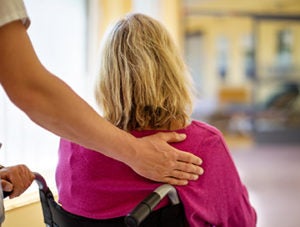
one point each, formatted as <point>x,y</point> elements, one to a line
<point>272,176</point>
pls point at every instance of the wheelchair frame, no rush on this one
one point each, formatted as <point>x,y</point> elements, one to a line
<point>53,212</point>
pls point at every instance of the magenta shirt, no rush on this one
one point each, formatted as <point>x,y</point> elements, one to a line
<point>95,186</point>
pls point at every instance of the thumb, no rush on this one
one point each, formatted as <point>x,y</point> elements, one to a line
<point>6,186</point>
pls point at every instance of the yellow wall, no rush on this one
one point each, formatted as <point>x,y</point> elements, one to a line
<point>172,17</point>
<point>111,10</point>
<point>267,62</point>
<point>234,29</point>
<point>107,11</point>
<point>267,41</point>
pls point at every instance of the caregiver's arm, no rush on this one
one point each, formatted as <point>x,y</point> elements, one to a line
<point>52,104</point>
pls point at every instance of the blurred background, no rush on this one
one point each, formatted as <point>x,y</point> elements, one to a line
<point>244,57</point>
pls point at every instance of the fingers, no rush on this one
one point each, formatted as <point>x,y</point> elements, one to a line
<point>188,158</point>
<point>180,178</point>
<point>174,181</point>
<point>183,173</point>
<point>6,186</point>
<point>161,162</point>
<point>23,179</point>
<point>187,171</point>
<point>20,178</point>
<point>170,136</point>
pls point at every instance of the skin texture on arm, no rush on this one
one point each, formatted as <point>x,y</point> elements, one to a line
<point>16,179</point>
<point>52,104</point>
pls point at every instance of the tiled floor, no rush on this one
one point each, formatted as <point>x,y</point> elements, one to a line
<point>272,176</point>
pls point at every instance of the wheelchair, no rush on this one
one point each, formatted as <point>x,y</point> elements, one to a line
<point>142,215</point>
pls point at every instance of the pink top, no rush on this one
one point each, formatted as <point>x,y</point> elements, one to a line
<point>95,186</point>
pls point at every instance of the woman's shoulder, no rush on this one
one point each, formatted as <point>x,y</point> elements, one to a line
<point>203,128</point>
<point>203,135</point>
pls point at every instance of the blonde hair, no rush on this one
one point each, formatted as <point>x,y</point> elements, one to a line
<point>143,82</point>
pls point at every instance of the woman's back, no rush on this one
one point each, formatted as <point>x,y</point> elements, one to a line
<point>94,186</point>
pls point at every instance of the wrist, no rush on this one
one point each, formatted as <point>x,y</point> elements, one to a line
<point>128,151</point>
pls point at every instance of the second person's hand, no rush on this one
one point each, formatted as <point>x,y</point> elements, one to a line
<point>16,179</point>
<point>167,164</point>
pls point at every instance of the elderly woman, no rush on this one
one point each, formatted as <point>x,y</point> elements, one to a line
<point>145,88</point>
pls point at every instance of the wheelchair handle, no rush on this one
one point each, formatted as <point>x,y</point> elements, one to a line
<point>144,208</point>
<point>41,182</point>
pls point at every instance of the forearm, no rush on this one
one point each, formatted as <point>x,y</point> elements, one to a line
<point>58,109</point>
<point>64,113</point>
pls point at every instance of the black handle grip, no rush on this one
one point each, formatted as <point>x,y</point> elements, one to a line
<point>142,210</point>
